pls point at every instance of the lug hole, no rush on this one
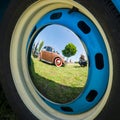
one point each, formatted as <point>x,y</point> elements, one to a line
<point>67,109</point>
<point>84,27</point>
<point>99,61</point>
<point>56,16</point>
<point>91,95</point>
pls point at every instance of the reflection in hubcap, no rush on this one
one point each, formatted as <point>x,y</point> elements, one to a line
<point>56,45</point>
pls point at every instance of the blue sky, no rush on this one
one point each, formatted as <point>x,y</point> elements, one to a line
<point>58,37</point>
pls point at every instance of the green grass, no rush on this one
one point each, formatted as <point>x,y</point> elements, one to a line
<point>58,84</point>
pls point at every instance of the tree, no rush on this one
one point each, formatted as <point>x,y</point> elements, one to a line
<point>69,50</point>
<point>40,46</point>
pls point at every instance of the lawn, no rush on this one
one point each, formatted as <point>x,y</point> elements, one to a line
<point>58,84</point>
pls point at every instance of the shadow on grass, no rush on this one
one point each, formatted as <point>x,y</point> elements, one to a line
<point>76,66</point>
<point>54,91</point>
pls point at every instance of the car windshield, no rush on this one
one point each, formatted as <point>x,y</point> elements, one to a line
<point>49,49</point>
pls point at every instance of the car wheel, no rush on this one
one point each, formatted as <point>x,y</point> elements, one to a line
<point>58,62</point>
<point>97,23</point>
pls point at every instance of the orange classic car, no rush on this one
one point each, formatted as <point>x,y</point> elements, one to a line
<point>48,54</point>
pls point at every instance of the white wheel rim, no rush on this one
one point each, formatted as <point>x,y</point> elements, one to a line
<point>58,62</point>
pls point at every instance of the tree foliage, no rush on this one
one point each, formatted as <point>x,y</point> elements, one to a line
<point>40,45</point>
<point>69,50</point>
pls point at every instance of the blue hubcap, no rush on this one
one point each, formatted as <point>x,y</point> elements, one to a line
<point>98,76</point>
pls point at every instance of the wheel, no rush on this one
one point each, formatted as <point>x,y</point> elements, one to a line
<point>58,62</point>
<point>96,23</point>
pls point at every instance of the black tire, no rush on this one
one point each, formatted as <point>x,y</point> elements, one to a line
<point>108,17</point>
